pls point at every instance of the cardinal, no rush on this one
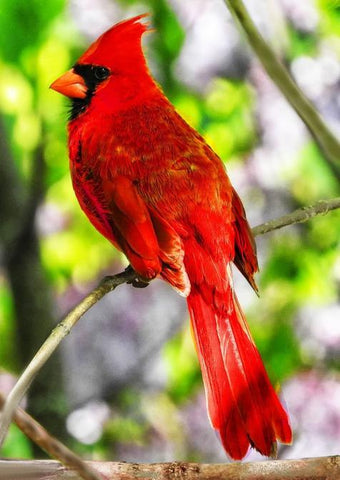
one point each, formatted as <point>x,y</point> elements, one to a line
<point>155,189</point>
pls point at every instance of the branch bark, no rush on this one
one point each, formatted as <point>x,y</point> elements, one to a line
<point>322,207</point>
<point>327,142</point>
<point>322,468</point>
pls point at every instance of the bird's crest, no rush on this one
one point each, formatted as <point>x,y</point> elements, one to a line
<point>118,47</point>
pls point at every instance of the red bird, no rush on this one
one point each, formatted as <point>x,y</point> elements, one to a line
<point>153,187</point>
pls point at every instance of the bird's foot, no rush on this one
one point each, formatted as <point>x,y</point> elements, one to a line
<point>137,282</point>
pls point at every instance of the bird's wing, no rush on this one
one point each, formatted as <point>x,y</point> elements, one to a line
<point>151,244</point>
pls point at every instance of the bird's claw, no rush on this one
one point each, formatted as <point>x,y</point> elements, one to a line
<point>137,282</point>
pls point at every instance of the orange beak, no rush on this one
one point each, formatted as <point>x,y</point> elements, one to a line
<point>70,84</point>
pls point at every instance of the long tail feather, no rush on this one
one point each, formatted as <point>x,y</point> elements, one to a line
<point>242,404</point>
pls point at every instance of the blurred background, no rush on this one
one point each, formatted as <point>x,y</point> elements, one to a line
<point>125,385</point>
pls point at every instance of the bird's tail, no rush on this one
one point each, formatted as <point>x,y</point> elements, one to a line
<point>242,404</point>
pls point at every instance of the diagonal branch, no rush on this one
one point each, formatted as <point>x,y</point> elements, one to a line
<point>108,285</point>
<point>322,207</point>
<point>53,447</point>
<point>52,342</point>
<point>327,142</point>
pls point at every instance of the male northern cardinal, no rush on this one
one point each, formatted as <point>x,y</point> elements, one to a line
<point>154,188</point>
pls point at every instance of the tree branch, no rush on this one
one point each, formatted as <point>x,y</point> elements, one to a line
<point>108,285</point>
<point>325,468</point>
<point>53,447</point>
<point>52,342</point>
<point>322,207</point>
<point>280,76</point>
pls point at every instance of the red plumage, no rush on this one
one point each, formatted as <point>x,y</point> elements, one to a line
<point>153,187</point>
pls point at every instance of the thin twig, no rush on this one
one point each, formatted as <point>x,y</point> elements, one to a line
<point>53,447</point>
<point>52,342</point>
<point>322,207</point>
<point>325,468</point>
<point>328,143</point>
<point>109,284</point>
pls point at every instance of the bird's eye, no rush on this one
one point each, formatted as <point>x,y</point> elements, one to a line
<point>101,73</point>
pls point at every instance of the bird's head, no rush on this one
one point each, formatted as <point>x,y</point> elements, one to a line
<point>113,69</point>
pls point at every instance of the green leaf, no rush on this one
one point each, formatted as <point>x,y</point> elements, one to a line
<point>16,445</point>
